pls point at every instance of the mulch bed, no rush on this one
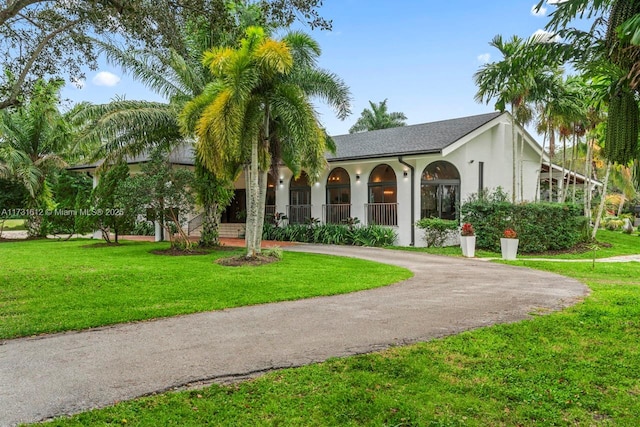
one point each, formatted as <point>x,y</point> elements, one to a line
<point>181,252</point>
<point>101,245</point>
<point>239,261</point>
<point>192,251</point>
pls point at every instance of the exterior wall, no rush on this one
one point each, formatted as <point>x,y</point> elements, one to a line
<point>492,148</point>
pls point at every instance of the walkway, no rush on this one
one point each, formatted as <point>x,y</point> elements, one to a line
<point>47,376</point>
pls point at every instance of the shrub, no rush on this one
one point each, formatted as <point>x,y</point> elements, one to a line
<point>540,226</point>
<point>331,234</point>
<point>436,230</point>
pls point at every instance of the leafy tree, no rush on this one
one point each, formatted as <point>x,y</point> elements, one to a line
<point>31,138</point>
<point>164,189</point>
<point>114,206</point>
<point>12,194</point>
<point>258,112</point>
<point>58,36</point>
<point>214,195</point>
<point>377,118</point>
<point>71,191</point>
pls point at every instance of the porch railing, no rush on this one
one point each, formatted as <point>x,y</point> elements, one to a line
<point>382,213</point>
<point>269,211</point>
<point>336,213</point>
<point>195,223</point>
<point>299,214</point>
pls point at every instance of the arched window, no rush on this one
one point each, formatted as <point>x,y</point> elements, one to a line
<point>382,208</point>
<point>299,209</point>
<point>338,207</point>
<point>440,191</point>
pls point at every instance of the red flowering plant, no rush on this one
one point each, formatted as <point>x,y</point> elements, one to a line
<point>467,230</point>
<point>510,233</point>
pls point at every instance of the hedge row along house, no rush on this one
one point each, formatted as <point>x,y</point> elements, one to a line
<point>393,177</point>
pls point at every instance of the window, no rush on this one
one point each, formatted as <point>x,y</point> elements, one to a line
<point>440,191</point>
<point>382,208</point>
<point>299,210</point>
<point>338,207</point>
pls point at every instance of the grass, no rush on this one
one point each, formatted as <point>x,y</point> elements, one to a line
<point>576,367</point>
<point>618,244</point>
<point>579,367</point>
<point>12,224</point>
<point>50,286</point>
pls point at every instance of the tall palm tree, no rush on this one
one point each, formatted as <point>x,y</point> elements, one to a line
<point>31,140</point>
<point>128,128</point>
<point>258,112</point>
<point>560,109</point>
<point>377,118</point>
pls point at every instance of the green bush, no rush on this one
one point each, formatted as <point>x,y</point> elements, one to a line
<point>540,226</point>
<point>331,234</point>
<point>436,230</point>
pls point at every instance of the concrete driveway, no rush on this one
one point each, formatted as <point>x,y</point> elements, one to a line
<point>43,377</point>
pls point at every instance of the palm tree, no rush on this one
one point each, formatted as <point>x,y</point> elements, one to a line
<point>128,128</point>
<point>561,108</point>
<point>377,118</point>
<point>31,140</point>
<point>517,80</point>
<point>613,57</point>
<point>258,112</point>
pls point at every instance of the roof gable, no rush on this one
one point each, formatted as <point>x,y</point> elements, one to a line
<point>414,139</point>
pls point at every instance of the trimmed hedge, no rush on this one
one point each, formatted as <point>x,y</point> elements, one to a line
<point>540,226</point>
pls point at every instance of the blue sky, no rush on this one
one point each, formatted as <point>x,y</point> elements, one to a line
<point>419,54</point>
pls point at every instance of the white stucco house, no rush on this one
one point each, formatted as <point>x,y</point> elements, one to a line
<point>393,177</point>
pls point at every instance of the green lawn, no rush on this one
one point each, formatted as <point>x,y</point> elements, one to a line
<point>620,244</point>
<point>50,286</point>
<point>579,367</point>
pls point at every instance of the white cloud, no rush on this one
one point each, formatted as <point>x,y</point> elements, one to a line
<point>554,2</point>
<point>542,36</point>
<point>484,58</point>
<point>538,12</point>
<point>105,78</point>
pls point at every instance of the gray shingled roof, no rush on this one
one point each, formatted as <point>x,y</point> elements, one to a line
<point>415,139</point>
<point>180,155</point>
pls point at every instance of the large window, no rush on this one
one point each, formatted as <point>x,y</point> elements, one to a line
<point>440,191</point>
<point>338,207</point>
<point>382,208</point>
<point>299,209</point>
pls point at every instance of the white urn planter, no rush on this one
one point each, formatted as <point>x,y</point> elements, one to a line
<point>468,246</point>
<point>509,248</point>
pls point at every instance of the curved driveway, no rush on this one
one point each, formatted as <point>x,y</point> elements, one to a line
<point>67,373</point>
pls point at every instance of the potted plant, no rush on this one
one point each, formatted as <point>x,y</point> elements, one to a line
<point>467,240</point>
<point>509,244</point>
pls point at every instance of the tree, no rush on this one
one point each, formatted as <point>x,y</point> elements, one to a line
<point>71,191</point>
<point>31,138</point>
<point>257,112</point>
<point>164,189</point>
<point>42,38</point>
<point>377,118</point>
<point>130,128</point>
<point>517,80</point>
<point>114,207</point>
<point>609,55</point>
